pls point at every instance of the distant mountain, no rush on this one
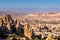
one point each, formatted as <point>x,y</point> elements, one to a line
<point>31,9</point>
<point>44,16</point>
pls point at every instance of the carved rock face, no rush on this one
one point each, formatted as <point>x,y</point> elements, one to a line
<point>1,22</point>
<point>27,31</point>
<point>49,37</point>
<point>17,25</point>
<point>15,21</point>
<point>9,24</point>
<point>5,22</point>
<point>6,18</point>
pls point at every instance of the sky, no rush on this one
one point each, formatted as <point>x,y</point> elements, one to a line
<point>31,4</point>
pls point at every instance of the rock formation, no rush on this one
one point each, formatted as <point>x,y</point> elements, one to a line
<point>27,31</point>
<point>49,37</point>
<point>1,22</point>
<point>9,24</point>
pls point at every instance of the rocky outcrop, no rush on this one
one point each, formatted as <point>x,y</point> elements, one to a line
<point>49,37</point>
<point>27,30</point>
<point>9,24</point>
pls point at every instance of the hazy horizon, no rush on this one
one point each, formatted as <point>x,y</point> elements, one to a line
<point>30,5</point>
<point>31,9</point>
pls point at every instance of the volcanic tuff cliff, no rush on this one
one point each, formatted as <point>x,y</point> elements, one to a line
<point>8,24</point>
<point>29,24</point>
<point>43,16</point>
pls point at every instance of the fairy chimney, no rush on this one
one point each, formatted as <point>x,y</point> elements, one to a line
<point>1,22</point>
<point>18,24</point>
<point>49,37</point>
<point>7,18</point>
<point>7,21</point>
<point>27,31</point>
